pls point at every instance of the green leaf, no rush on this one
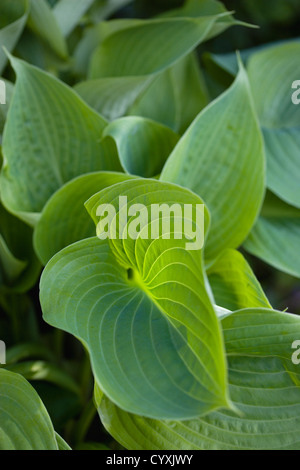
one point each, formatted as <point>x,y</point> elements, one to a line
<point>50,137</point>
<point>24,421</point>
<point>9,264</point>
<point>175,96</point>
<point>17,258</point>
<point>141,309</point>
<point>221,158</point>
<point>275,236</point>
<point>64,219</point>
<point>69,12</point>
<point>234,284</point>
<point>112,96</point>
<point>42,21</point>
<point>196,8</point>
<point>62,445</point>
<point>271,74</point>
<point>133,51</point>
<point>264,386</point>
<point>13,17</point>
<point>143,145</point>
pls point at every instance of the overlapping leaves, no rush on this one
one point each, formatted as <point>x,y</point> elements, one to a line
<point>264,386</point>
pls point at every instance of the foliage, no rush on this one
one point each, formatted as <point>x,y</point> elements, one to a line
<point>174,348</point>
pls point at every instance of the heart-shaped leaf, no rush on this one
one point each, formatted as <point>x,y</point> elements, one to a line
<point>140,307</point>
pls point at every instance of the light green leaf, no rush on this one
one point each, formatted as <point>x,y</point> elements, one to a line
<point>62,445</point>
<point>141,309</point>
<point>264,386</point>
<point>50,137</point>
<point>271,74</point>
<point>24,421</point>
<point>143,145</point>
<point>221,158</point>
<point>234,284</point>
<point>43,22</point>
<point>64,219</point>
<point>133,51</point>
<point>69,12</point>
<point>275,236</point>
<point>13,17</point>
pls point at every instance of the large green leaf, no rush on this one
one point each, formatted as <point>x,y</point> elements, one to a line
<point>143,145</point>
<point>264,386</point>
<point>221,158</point>
<point>234,284</point>
<point>133,51</point>
<point>50,137</point>
<point>141,309</point>
<point>24,421</point>
<point>64,219</point>
<point>275,236</point>
<point>271,74</point>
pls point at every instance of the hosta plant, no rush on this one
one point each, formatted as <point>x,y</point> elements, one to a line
<point>119,330</point>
